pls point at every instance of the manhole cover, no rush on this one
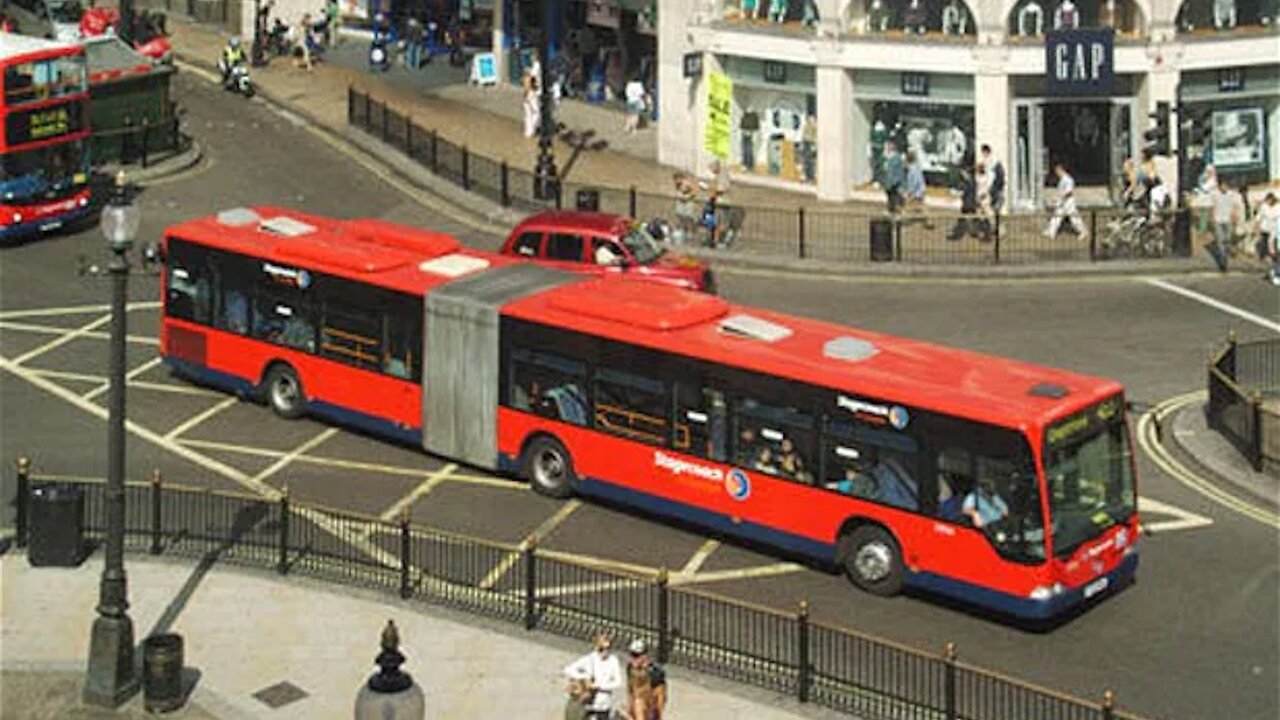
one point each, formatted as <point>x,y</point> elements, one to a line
<point>280,694</point>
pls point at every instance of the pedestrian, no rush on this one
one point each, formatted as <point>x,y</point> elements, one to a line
<point>304,41</point>
<point>414,39</point>
<point>334,16</point>
<point>646,684</point>
<point>1066,208</point>
<point>893,176</point>
<point>593,679</point>
<point>809,148</point>
<point>1264,225</point>
<point>982,190</point>
<point>963,226</point>
<point>717,191</point>
<point>686,207</point>
<point>1225,214</point>
<point>532,109</point>
<point>996,169</point>
<point>634,93</point>
<point>916,187</point>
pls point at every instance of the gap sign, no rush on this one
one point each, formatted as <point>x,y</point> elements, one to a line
<point>1080,62</point>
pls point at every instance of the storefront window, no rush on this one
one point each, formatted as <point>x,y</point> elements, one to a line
<point>1033,18</point>
<point>910,18</point>
<point>789,13</point>
<point>940,137</point>
<point>773,123</point>
<point>1214,16</point>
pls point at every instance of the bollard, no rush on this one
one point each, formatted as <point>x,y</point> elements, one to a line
<point>1093,235</point>
<point>368,113</point>
<point>466,168</point>
<point>664,615</point>
<point>949,688</point>
<point>631,201</point>
<point>506,185</point>
<point>803,677</point>
<point>162,673</point>
<point>155,512</point>
<point>282,566</point>
<point>408,135</point>
<point>800,230</point>
<point>351,105</point>
<point>435,152</point>
<point>995,245</point>
<point>530,583</point>
<point>22,501</point>
<point>405,560</point>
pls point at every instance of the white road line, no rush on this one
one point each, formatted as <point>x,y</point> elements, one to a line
<point>74,310</point>
<point>128,376</point>
<point>1214,303</point>
<point>65,338</point>
<point>201,417</point>
<point>1186,520</point>
<point>94,335</point>
<point>140,384</point>
<point>418,492</point>
<point>293,454</point>
<point>150,436</point>
<point>540,532</point>
<point>63,375</point>
<point>699,557</point>
<point>740,574</point>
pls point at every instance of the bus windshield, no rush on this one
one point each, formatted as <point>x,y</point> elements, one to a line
<point>43,173</point>
<point>1091,484</point>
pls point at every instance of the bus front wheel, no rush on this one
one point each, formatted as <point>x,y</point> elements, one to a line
<point>284,392</point>
<point>549,468</point>
<point>873,560</point>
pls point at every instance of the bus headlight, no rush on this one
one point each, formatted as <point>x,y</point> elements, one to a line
<point>1045,592</point>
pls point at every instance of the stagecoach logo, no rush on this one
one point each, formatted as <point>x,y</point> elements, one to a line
<point>288,276</point>
<point>680,466</point>
<point>897,416</point>
<point>738,485</point>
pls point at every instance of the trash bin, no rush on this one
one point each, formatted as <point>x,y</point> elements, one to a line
<point>56,526</point>
<point>162,672</point>
<point>881,240</point>
<point>588,200</point>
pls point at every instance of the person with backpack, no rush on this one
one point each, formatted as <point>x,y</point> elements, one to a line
<point>646,685</point>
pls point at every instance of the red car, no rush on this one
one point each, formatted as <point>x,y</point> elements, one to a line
<point>604,244</point>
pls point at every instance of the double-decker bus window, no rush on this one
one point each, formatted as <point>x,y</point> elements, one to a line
<point>702,422</point>
<point>871,463</point>
<point>351,335</point>
<point>631,405</point>
<point>774,439</point>
<point>548,384</point>
<point>189,295</point>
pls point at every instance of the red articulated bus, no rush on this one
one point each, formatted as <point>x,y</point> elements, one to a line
<point>1005,484</point>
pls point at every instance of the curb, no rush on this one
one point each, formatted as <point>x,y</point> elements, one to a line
<point>166,168</point>
<point>492,218</point>
<point>1232,471</point>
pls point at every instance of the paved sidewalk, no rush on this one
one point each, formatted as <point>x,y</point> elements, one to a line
<point>1190,432</point>
<point>245,632</point>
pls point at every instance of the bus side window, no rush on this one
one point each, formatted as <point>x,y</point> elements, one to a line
<point>630,405</point>
<point>284,321</point>
<point>189,291</point>
<point>548,384</point>
<point>955,482</point>
<point>775,439</point>
<point>702,422</point>
<point>233,311</point>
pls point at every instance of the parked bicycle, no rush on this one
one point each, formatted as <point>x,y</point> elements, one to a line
<point>1135,235</point>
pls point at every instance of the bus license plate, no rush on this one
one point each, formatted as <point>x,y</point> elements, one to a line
<point>1095,587</point>
<point>52,225</point>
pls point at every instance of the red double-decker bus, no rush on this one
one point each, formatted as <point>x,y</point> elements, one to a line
<point>44,140</point>
<point>1006,484</point>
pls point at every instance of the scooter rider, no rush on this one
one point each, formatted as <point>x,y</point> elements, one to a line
<point>232,56</point>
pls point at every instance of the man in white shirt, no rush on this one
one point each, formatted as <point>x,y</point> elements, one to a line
<point>1066,209</point>
<point>599,675</point>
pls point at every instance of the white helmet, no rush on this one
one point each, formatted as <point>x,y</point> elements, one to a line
<point>234,42</point>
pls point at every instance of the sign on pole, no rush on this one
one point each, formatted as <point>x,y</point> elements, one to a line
<point>719,112</point>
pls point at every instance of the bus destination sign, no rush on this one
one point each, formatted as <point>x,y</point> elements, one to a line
<point>1072,427</point>
<point>43,124</point>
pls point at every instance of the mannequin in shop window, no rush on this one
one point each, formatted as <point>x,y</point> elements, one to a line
<point>878,17</point>
<point>1109,15</point>
<point>778,11</point>
<point>1067,16</point>
<point>955,19</point>
<point>1031,20</point>
<point>913,19</point>
<point>1224,14</point>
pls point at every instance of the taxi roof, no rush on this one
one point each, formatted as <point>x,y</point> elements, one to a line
<point>597,222</point>
<point>981,387</point>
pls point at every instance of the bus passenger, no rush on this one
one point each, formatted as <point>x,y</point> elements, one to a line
<point>984,506</point>
<point>789,461</point>
<point>764,461</point>
<point>746,451</point>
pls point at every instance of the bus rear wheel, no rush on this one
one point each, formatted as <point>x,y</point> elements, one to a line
<point>549,468</point>
<point>872,560</point>
<point>284,392</point>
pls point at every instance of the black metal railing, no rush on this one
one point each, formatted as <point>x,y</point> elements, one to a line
<point>822,234</point>
<point>141,143</point>
<point>541,589</point>
<point>1243,377</point>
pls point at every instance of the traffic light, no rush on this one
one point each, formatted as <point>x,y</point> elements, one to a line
<point>1157,138</point>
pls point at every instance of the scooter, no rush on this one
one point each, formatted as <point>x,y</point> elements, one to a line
<point>238,80</point>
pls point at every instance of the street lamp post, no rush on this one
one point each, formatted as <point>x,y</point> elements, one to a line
<point>546,184</point>
<point>111,678</point>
